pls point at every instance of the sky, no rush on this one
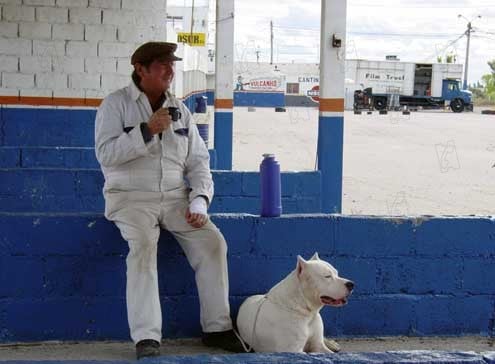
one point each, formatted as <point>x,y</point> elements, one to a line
<point>414,30</point>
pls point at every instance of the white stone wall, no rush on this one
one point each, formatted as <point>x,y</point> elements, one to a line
<point>73,48</point>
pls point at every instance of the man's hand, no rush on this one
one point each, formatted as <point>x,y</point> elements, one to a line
<point>159,121</point>
<point>196,214</point>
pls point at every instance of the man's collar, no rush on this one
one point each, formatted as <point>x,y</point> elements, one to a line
<point>134,91</point>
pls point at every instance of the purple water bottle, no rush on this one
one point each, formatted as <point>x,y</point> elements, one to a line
<point>271,199</point>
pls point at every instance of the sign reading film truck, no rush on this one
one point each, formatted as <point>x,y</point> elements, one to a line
<point>193,39</point>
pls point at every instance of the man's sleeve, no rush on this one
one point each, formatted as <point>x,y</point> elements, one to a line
<point>113,146</point>
<point>197,163</point>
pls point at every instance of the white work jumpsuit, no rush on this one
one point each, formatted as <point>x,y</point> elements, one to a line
<point>148,186</point>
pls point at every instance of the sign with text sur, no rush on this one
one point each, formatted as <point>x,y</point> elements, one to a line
<point>193,39</point>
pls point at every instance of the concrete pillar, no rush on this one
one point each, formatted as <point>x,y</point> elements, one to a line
<point>331,116</point>
<point>224,83</point>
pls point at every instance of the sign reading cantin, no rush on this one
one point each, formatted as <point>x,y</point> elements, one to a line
<point>314,93</point>
<point>264,83</point>
<point>193,39</point>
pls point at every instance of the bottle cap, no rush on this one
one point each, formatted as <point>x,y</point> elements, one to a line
<point>268,155</point>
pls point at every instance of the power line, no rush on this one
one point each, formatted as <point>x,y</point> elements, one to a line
<point>414,35</point>
<point>483,36</point>
<point>363,33</point>
<point>449,44</point>
<point>429,6</point>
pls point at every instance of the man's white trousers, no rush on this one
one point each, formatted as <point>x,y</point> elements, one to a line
<point>139,216</point>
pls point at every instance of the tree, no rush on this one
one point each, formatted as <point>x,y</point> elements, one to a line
<point>439,59</point>
<point>489,81</point>
<point>491,64</point>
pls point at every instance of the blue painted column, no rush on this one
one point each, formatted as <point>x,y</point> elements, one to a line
<point>223,136</point>
<point>331,117</point>
<point>224,83</point>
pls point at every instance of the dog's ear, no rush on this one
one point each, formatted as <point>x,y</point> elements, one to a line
<point>300,265</point>
<point>315,256</point>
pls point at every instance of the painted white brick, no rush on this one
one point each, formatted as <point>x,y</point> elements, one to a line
<point>112,82</point>
<point>17,80</point>
<point>144,4</point>
<point>114,49</point>
<point>68,93</point>
<point>150,17</point>
<point>37,92</point>
<point>159,33</point>
<point>118,17</point>
<point>49,48</point>
<point>9,63</point>
<point>73,3</point>
<point>132,34</point>
<point>10,2</point>
<point>81,49</point>
<point>40,2</point>
<point>68,65</point>
<point>9,91</point>
<point>85,16</point>
<point>52,15</point>
<point>18,13</point>
<point>124,66</point>
<point>9,30</point>
<point>101,33</point>
<point>96,94</point>
<point>134,17</point>
<point>51,80</point>
<point>141,34</point>
<point>100,65</point>
<point>84,80</point>
<point>33,64</point>
<point>18,47</point>
<point>68,31</point>
<point>35,30</point>
<point>105,4</point>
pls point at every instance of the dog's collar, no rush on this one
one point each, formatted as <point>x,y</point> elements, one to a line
<point>303,311</point>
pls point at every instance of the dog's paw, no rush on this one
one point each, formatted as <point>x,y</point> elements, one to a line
<point>332,345</point>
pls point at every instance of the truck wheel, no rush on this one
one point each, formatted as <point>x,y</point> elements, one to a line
<point>457,105</point>
<point>380,103</point>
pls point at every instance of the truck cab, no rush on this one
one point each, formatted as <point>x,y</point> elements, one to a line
<point>459,99</point>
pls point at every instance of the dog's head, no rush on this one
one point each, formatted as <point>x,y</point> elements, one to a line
<point>320,282</point>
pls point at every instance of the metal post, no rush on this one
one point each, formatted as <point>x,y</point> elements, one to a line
<point>468,33</point>
<point>224,83</point>
<point>331,116</point>
<point>271,42</point>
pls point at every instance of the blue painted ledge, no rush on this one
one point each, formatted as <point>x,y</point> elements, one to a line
<point>397,357</point>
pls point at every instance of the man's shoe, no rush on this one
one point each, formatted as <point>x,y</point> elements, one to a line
<point>147,348</point>
<point>226,340</point>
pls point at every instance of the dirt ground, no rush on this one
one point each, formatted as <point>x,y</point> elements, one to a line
<point>425,163</point>
<point>125,350</point>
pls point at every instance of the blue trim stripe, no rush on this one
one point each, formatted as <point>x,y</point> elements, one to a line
<point>330,161</point>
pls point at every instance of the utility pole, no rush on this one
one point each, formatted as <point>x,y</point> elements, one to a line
<point>468,35</point>
<point>271,42</point>
<point>192,17</point>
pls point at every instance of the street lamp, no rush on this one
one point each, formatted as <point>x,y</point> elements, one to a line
<point>468,34</point>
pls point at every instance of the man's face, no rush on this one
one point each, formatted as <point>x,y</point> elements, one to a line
<point>158,76</point>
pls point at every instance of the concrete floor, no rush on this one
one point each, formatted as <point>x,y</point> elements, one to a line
<point>425,163</point>
<point>125,350</point>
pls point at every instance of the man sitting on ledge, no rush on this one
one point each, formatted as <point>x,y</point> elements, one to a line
<point>157,175</point>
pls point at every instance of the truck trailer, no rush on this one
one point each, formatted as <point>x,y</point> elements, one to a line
<point>396,85</point>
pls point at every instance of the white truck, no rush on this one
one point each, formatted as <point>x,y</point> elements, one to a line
<point>392,84</point>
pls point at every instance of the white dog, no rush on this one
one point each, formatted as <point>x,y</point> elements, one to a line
<point>287,318</point>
